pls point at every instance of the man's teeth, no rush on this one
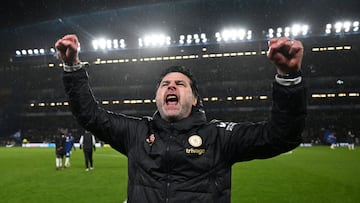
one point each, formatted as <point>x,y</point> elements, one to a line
<point>171,98</point>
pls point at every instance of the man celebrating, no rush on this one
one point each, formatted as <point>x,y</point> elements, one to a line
<point>177,155</point>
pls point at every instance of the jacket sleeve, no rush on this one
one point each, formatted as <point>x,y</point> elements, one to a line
<point>109,127</point>
<point>281,133</point>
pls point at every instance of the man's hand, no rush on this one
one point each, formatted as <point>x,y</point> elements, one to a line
<point>286,54</point>
<point>68,49</point>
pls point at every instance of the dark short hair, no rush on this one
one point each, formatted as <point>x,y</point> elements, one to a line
<point>184,70</point>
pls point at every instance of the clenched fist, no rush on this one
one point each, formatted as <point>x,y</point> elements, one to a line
<point>68,49</point>
<point>286,54</point>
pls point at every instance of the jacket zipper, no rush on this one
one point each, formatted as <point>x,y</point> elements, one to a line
<point>168,184</point>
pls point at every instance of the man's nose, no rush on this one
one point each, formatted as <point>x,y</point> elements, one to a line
<point>172,86</point>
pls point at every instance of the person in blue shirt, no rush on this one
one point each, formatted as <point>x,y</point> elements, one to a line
<point>69,145</point>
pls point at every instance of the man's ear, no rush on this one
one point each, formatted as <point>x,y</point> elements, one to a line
<point>195,101</point>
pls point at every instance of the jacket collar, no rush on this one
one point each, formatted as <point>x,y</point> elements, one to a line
<point>196,118</point>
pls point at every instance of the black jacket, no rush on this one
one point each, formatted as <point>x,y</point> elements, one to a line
<point>189,160</point>
<point>87,142</point>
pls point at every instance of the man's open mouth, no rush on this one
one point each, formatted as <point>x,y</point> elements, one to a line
<point>171,99</point>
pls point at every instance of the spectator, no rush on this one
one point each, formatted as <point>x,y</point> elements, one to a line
<point>351,140</point>
<point>60,140</point>
<point>87,144</point>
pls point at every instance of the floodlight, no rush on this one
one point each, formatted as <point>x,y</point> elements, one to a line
<point>108,44</point>
<point>295,29</point>
<point>279,31</point>
<point>338,26</point>
<point>115,43</point>
<point>140,42</point>
<point>203,37</point>
<point>240,34</point>
<point>355,26</point>
<point>249,35</point>
<point>218,36</point>
<point>287,31</point>
<point>196,38</point>
<point>226,34</point>
<point>270,33</point>
<point>122,43</point>
<point>154,40</point>
<point>189,39</point>
<point>167,40</point>
<point>347,26</point>
<point>304,29</point>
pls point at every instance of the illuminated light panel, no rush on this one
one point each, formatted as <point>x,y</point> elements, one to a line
<point>154,40</point>
<point>232,35</point>
<point>263,97</point>
<point>354,94</point>
<point>339,48</point>
<point>105,102</point>
<point>294,30</point>
<point>318,95</point>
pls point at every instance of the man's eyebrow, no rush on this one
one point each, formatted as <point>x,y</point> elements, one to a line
<point>176,81</point>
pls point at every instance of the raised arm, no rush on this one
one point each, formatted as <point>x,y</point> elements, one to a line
<point>282,132</point>
<point>109,127</point>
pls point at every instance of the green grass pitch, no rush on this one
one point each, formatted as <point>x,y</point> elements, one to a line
<point>308,174</point>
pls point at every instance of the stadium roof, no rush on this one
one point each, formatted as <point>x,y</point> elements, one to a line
<point>36,23</point>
